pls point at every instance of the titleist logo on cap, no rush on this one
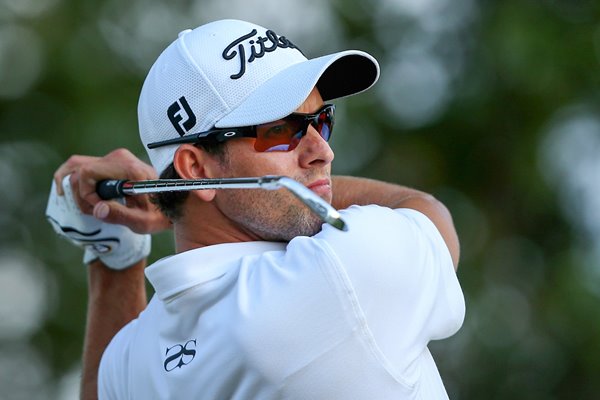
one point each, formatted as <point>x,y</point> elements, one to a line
<point>258,48</point>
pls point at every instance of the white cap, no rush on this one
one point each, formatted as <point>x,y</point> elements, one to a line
<point>233,73</point>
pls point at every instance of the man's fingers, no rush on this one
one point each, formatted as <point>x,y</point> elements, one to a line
<point>87,171</point>
<point>69,167</point>
<point>119,164</point>
<point>58,183</point>
<point>84,206</point>
<point>101,210</point>
<point>137,219</point>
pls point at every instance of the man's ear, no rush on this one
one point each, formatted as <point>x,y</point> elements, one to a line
<point>191,162</point>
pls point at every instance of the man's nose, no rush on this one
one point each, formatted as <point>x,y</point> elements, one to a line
<point>314,150</point>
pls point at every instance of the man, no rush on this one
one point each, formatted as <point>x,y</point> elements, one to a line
<point>261,300</point>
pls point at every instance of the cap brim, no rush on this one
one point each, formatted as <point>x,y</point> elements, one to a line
<point>335,75</point>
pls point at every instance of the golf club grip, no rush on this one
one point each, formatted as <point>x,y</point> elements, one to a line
<point>110,189</point>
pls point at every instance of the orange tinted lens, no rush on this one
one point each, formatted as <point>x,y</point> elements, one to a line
<point>278,135</point>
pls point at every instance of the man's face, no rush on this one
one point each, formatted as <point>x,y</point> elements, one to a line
<point>278,215</point>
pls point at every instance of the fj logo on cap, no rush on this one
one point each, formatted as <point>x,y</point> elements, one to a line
<point>258,48</point>
<point>174,112</point>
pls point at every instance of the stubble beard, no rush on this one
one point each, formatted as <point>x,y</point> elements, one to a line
<point>270,215</point>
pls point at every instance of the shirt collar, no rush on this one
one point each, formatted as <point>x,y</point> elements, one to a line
<point>174,274</point>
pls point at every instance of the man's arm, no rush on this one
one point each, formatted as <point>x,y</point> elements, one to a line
<point>362,191</point>
<point>115,298</point>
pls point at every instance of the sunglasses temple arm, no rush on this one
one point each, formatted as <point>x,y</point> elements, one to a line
<point>110,189</point>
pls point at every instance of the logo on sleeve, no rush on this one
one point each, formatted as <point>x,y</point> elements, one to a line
<point>177,112</point>
<point>180,355</point>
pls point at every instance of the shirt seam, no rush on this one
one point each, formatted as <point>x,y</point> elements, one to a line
<point>366,334</point>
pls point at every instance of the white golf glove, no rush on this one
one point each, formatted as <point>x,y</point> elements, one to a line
<point>116,245</point>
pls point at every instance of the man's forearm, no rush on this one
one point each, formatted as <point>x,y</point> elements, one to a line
<point>349,190</point>
<point>115,298</point>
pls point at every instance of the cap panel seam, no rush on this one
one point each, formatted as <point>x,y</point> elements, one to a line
<point>188,59</point>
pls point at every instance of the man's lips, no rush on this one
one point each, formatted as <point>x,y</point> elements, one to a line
<point>322,187</point>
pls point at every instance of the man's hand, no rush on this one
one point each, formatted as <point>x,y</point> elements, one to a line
<point>138,213</point>
<point>115,245</point>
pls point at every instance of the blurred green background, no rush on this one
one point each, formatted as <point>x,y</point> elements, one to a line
<point>493,106</point>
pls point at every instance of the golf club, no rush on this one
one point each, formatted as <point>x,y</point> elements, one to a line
<point>110,189</point>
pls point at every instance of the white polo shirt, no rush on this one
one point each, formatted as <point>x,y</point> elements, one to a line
<point>340,315</point>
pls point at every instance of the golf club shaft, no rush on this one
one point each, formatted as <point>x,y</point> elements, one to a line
<point>110,189</point>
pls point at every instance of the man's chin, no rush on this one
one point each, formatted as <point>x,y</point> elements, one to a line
<point>308,226</point>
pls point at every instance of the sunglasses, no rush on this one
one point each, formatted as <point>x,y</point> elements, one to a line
<point>280,135</point>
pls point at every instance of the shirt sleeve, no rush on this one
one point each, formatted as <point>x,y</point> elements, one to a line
<point>402,274</point>
<point>112,376</point>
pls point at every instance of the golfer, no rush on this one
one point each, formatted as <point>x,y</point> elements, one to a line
<point>261,300</point>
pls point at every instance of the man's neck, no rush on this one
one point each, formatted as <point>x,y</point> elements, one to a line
<point>207,226</point>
